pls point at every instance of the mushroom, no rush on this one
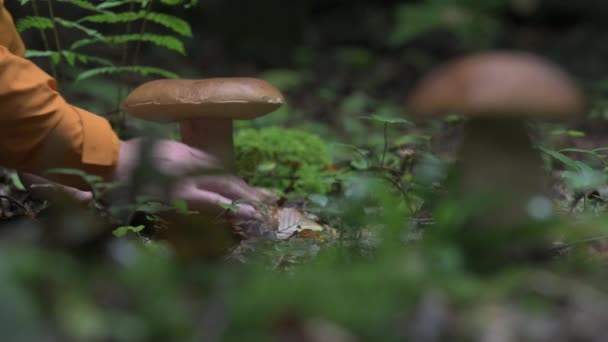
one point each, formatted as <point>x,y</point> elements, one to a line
<point>205,108</point>
<point>497,92</point>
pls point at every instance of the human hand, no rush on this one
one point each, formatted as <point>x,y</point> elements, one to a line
<point>180,162</point>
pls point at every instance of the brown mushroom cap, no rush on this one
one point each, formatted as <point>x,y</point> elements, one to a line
<point>225,98</point>
<point>501,84</point>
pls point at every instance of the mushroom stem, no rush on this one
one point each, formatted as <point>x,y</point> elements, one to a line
<point>213,136</point>
<point>498,160</point>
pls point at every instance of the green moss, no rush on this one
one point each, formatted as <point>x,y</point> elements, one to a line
<point>288,160</point>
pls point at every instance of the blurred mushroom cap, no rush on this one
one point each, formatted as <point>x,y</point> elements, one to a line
<point>223,98</point>
<point>498,84</point>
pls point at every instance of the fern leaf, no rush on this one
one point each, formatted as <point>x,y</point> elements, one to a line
<point>82,4</point>
<point>38,53</point>
<point>54,56</point>
<point>74,25</point>
<point>113,18</point>
<point>40,23</point>
<point>186,3</point>
<point>171,22</point>
<point>168,42</point>
<point>111,4</point>
<point>70,56</point>
<point>43,23</point>
<point>138,69</point>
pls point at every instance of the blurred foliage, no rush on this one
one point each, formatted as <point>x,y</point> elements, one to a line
<point>475,22</point>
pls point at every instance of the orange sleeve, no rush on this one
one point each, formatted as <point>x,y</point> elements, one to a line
<point>39,130</point>
<point>8,34</point>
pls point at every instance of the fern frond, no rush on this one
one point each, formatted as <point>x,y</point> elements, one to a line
<point>70,56</point>
<point>44,23</point>
<point>111,4</point>
<point>113,18</point>
<point>82,4</point>
<point>171,22</point>
<point>75,25</point>
<point>186,3</point>
<point>138,69</point>
<point>168,42</point>
<point>36,22</point>
<point>86,59</point>
<point>38,53</point>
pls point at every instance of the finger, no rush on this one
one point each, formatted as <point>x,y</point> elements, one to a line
<point>174,158</point>
<point>231,187</point>
<point>45,189</point>
<point>211,202</point>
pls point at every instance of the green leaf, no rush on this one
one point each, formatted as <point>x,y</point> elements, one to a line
<point>113,18</point>
<point>56,58</point>
<point>75,25</point>
<point>40,23</point>
<point>16,181</point>
<point>110,4</point>
<point>568,132</point>
<point>182,207</point>
<point>38,53</point>
<point>566,160</point>
<point>229,207</point>
<point>122,231</point>
<point>267,166</point>
<point>91,179</point>
<point>168,42</point>
<point>137,69</point>
<point>171,22</point>
<point>186,3</point>
<point>69,55</point>
<point>387,120</point>
<point>82,4</point>
<point>43,23</point>
<point>578,150</point>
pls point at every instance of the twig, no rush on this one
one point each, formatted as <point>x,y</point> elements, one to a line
<point>142,31</point>
<point>56,35</point>
<point>45,41</point>
<point>123,61</point>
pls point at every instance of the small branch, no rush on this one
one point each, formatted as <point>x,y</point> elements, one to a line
<point>142,31</point>
<point>123,62</point>
<point>45,41</point>
<point>56,35</point>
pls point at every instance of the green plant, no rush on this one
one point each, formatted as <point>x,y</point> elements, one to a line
<point>474,21</point>
<point>77,57</point>
<point>288,160</point>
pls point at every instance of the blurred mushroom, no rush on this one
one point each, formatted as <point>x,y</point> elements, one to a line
<point>497,92</point>
<point>205,108</point>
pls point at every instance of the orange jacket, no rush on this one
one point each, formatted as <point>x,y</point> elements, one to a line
<point>39,130</point>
